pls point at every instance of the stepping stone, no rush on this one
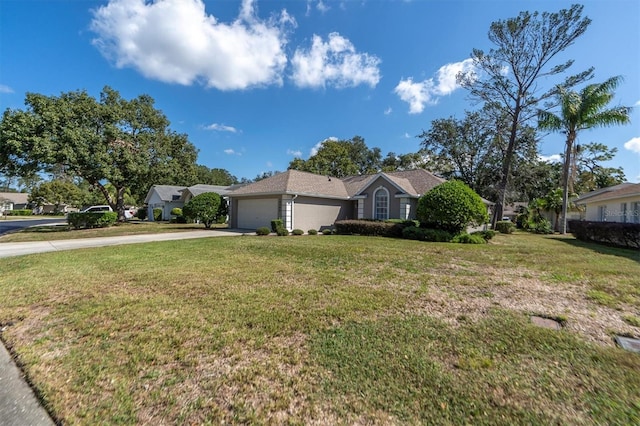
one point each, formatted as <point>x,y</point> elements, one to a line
<point>628,343</point>
<point>545,322</point>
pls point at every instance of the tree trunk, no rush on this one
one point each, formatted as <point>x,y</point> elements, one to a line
<point>565,180</point>
<point>120,203</point>
<point>506,168</point>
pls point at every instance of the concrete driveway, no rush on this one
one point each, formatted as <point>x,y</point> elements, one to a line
<point>17,249</point>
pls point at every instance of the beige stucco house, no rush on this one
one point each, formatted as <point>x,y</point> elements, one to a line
<point>309,201</point>
<point>620,203</point>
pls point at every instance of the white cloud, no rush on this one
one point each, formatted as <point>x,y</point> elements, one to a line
<point>269,164</point>
<point>229,151</point>
<point>221,128</point>
<point>554,158</point>
<point>388,111</point>
<point>323,8</point>
<point>637,104</point>
<point>427,92</point>
<point>295,153</point>
<point>320,6</point>
<point>633,145</point>
<point>5,89</point>
<point>316,147</point>
<point>176,41</point>
<point>335,63</point>
<point>407,135</point>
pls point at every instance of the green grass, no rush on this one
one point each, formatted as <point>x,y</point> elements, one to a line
<point>64,232</point>
<point>323,329</point>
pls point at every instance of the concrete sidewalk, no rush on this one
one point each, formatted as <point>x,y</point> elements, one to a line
<point>18,404</point>
<point>17,249</point>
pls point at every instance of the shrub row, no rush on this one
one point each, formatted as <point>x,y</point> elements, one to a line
<point>626,235</point>
<point>18,212</point>
<point>392,229</point>
<point>92,219</point>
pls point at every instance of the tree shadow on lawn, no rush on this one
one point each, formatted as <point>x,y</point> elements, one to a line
<point>631,254</point>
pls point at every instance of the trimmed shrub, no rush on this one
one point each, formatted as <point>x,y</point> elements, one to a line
<point>327,231</point>
<point>157,214</point>
<point>141,214</point>
<point>505,227</point>
<point>282,232</point>
<point>275,224</point>
<point>626,235</point>
<point>176,211</point>
<point>92,219</point>
<point>19,212</point>
<point>297,232</point>
<point>426,234</point>
<point>312,232</point>
<point>451,206</point>
<point>263,230</point>
<point>205,207</point>
<point>365,227</point>
<point>468,239</point>
<point>486,235</point>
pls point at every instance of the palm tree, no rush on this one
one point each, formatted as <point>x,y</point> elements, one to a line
<point>580,111</point>
<point>553,202</point>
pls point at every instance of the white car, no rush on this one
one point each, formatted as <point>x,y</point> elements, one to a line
<point>93,209</point>
<point>129,213</point>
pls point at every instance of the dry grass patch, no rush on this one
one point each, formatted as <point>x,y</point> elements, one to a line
<point>240,330</point>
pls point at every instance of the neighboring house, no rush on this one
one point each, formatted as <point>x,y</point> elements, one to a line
<point>620,203</point>
<point>168,197</point>
<point>512,210</point>
<point>13,200</point>
<point>309,201</point>
<point>165,197</point>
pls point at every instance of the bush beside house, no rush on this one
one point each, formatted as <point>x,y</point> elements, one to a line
<point>451,206</point>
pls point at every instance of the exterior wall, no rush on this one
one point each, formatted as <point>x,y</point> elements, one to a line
<point>625,209</point>
<point>369,201</point>
<point>321,213</point>
<point>155,201</point>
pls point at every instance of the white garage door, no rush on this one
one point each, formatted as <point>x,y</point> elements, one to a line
<point>253,214</point>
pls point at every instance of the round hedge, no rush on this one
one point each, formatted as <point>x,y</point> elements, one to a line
<point>451,206</point>
<point>204,207</point>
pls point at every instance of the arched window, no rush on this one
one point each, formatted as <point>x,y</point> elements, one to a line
<point>381,204</point>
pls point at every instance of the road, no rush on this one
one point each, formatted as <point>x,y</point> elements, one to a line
<point>10,225</point>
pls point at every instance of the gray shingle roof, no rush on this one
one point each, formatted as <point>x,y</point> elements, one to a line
<point>296,182</point>
<point>412,182</point>
<point>582,199</point>
<point>621,191</point>
<point>15,197</point>
<point>166,192</point>
<point>201,189</point>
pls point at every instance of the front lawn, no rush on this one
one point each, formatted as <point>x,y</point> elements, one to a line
<point>64,232</point>
<point>328,329</point>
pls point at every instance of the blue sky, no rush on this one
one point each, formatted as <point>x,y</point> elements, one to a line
<point>256,83</point>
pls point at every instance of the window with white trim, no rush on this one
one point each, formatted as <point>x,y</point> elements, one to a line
<point>635,212</point>
<point>381,204</point>
<point>602,213</point>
